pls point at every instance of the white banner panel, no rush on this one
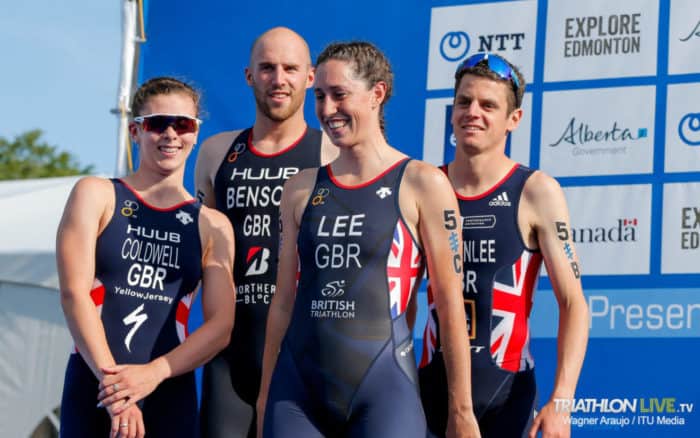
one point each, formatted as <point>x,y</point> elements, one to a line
<point>597,39</point>
<point>604,131</point>
<point>683,128</point>
<point>520,138</point>
<point>680,243</point>
<point>456,32</point>
<point>435,131</point>
<point>611,228</point>
<point>684,37</point>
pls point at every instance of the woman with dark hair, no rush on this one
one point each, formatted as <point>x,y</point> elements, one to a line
<point>131,254</point>
<point>339,355</point>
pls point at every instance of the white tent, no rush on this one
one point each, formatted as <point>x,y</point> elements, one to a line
<point>34,340</point>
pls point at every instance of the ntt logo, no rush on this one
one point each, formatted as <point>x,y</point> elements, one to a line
<point>454,45</point>
<point>689,129</point>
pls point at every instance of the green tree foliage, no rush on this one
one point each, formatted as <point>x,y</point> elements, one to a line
<point>28,156</point>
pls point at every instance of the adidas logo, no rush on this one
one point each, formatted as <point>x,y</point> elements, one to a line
<point>500,201</point>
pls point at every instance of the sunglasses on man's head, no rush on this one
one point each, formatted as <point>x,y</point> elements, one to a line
<point>158,123</point>
<point>496,64</point>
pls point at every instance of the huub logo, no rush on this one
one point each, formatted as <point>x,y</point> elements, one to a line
<point>320,197</point>
<point>130,208</point>
<point>237,150</point>
<point>689,129</point>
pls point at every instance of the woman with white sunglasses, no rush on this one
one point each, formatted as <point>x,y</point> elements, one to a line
<point>131,254</point>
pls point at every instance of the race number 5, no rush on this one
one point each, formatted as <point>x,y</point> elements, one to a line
<point>450,220</point>
<point>562,231</point>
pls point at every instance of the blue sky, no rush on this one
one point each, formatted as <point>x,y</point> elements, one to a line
<point>60,73</point>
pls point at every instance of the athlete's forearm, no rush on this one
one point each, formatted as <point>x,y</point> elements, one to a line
<point>455,351</point>
<point>278,318</point>
<point>572,339</point>
<point>200,347</point>
<point>87,330</point>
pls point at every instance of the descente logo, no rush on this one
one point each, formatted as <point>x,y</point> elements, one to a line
<point>581,133</point>
<point>624,231</point>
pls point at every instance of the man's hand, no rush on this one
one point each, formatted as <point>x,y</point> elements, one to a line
<point>553,424</point>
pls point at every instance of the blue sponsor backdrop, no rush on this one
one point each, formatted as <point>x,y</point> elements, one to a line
<point>645,328</point>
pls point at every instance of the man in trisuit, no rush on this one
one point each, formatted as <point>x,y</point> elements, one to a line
<point>241,173</point>
<point>513,219</point>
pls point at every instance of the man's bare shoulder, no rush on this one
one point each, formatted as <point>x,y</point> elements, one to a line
<point>540,187</point>
<point>219,143</point>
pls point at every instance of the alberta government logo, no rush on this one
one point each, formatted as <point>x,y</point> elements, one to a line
<point>689,129</point>
<point>580,135</point>
<point>693,33</point>
<point>617,34</point>
<point>455,45</point>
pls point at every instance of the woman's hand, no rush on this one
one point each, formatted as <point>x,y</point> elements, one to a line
<point>128,383</point>
<point>128,424</point>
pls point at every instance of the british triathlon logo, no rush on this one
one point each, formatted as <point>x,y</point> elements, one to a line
<point>130,208</point>
<point>689,129</point>
<point>258,261</point>
<point>455,45</point>
<point>184,217</point>
<point>594,140</point>
<point>624,230</point>
<point>690,228</point>
<point>334,289</point>
<point>501,200</point>
<point>383,192</point>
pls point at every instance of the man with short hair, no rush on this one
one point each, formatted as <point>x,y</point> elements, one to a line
<point>242,173</point>
<point>513,218</point>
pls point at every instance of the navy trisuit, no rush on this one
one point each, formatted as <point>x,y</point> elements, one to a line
<point>346,366</point>
<point>248,190</point>
<point>148,265</point>
<point>500,278</point>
